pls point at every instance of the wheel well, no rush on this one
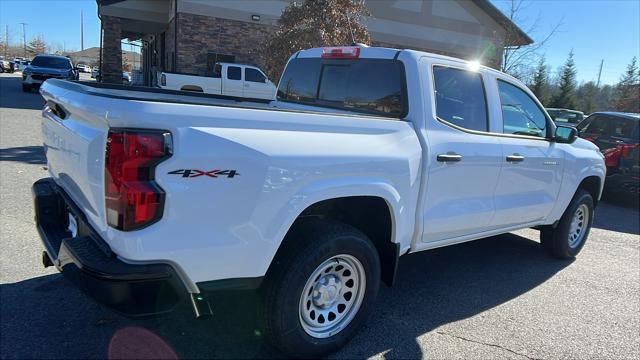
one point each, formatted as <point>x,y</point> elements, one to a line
<point>369,214</point>
<point>592,185</point>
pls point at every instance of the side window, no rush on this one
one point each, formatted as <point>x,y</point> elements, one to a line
<point>234,73</point>
<point>460,98</point>
<point>520,114</point>
<point>254,75</point>
<point>621,127</point>
<point>598,126</point>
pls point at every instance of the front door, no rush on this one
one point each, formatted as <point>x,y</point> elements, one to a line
<point>463,163</point>
<point>256,85</point>
<point>532,165</point>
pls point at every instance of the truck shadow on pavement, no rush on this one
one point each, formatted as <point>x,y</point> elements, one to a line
<point>48,317</point>
<point>24,154</point>
<point>13,96</point>
<point>616,213</point>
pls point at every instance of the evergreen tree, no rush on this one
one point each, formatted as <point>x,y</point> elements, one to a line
<point>586,95</point>
<point>540,84</point>
<point>566,96</point>
<point>627,93</point>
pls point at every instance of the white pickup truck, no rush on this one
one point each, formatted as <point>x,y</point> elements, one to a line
<point>231,79</point>
<point>367,154</point>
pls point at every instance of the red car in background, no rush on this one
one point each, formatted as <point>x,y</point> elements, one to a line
<point>618,137</point>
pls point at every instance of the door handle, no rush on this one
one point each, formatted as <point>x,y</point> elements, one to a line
<point>515,158</point>
<point>449,157</point>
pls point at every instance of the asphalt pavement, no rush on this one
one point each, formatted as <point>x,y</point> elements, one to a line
<point>499,297</point>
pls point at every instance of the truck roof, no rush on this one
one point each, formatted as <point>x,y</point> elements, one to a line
<point>374,52</point>
<point>236,64</point>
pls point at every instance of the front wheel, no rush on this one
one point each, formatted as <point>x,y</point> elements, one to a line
<point>567,239</point>
<point>321,289</point>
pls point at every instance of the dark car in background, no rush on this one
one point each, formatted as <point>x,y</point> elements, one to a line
<point>565,117</point>
<point>609,129</point>
<point>45,67</point>
<point>618,137</point>
<point>623,170</point>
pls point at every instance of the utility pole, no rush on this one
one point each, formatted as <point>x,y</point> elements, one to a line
<point>81,30</point>
<point>600,73</point>
<point>6,41</point>
<point>24,39</point>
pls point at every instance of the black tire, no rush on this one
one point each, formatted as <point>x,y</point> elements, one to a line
<point>26,88</point>
<point>308,246</point>
<point>555,241</point>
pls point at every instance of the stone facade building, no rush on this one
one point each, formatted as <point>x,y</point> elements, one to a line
<point>190,36</point>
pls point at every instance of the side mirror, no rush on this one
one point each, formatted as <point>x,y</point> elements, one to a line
<point>565,134</point>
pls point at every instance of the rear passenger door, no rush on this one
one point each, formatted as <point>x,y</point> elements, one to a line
<point>463,160</point>
<point>256,85</point>
<point>233,84</point>
<point>532,165</point>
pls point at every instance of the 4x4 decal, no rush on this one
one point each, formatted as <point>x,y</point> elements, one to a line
<point>192,173</point>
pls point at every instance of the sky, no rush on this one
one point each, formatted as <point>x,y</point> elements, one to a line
<point>594,29</point>
<point>58,21</point>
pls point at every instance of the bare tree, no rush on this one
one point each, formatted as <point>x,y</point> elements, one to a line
<point>37,45</point>
<point>313,23</point>
<point>520,59</point>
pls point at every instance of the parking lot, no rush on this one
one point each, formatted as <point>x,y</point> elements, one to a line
<point>500,297</point>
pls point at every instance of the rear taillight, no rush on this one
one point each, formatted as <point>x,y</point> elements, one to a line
<point>133,199</point>
<point>163,80</point>
<point>341,52</point>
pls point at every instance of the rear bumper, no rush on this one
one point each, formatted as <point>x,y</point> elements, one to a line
<point>133,290</point>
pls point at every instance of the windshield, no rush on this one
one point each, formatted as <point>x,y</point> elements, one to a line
<point>373,86</point>
<point>565,116</point>
<point>51,62</point>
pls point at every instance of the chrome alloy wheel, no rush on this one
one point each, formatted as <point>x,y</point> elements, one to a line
<point>578,226</point>
<point>332,296</point>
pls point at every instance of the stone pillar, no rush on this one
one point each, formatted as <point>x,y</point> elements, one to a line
<point>111,61</point>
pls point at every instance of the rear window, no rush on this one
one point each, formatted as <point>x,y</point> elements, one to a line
<point>234,73</point>
<point>372,86</point>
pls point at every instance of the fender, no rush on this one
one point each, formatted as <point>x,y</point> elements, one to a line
<point>570,186</point>
<point>402,226</point>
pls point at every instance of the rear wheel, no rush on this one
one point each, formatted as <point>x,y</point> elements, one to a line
<point>321,289</point>
<point>567,239</point>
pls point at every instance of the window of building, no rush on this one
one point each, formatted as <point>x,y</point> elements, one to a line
<point>234,73</point>
<point>372,86</point>
<point>520,114</point>
<point>254,75</point>
<point>460,98</point>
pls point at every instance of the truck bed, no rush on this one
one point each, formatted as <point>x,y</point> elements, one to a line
<point>157,95</point>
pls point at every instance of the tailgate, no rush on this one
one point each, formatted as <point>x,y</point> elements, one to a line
<point>74,133</point>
